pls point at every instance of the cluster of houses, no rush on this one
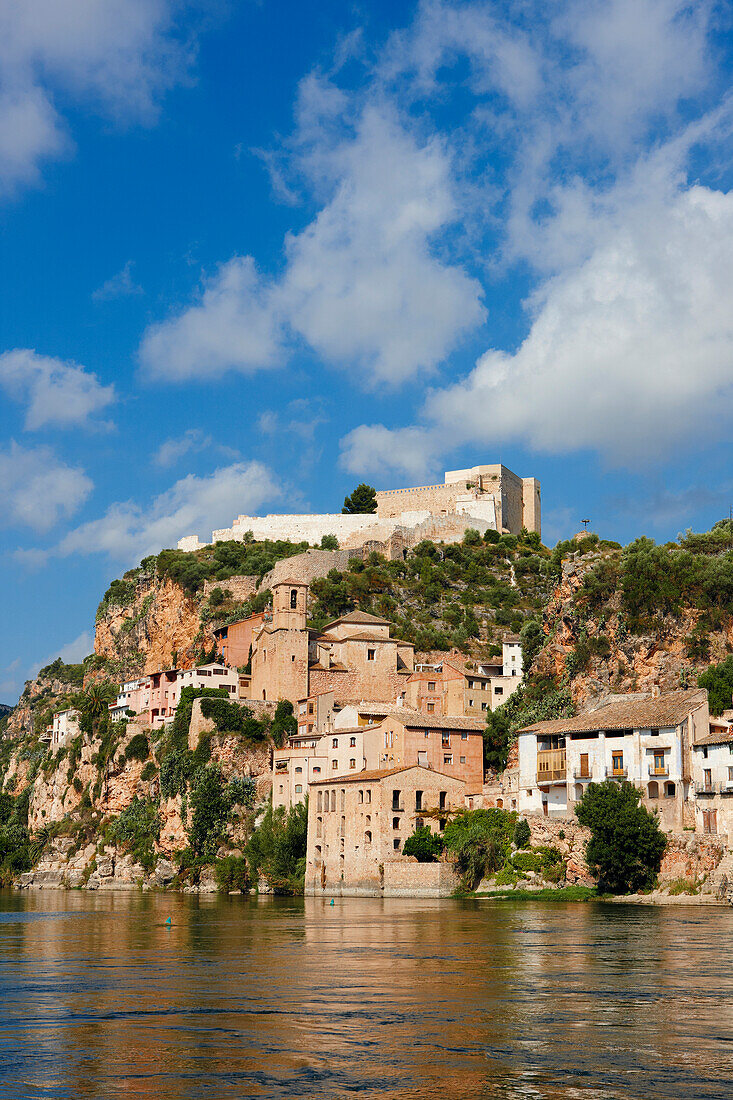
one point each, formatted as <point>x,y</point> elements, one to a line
<point>385,745</point>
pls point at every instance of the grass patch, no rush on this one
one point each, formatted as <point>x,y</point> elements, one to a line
<point>564,893</point>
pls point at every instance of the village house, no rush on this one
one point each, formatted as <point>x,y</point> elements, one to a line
<point>712,779</point>
<point>358,825</point>
<point>133,698</point>
<point>354,656</point>
<point>63,729</point>
<point>644,739</point>
<point>459,685</point>
<point>315,714</point>
<point>234,642</point>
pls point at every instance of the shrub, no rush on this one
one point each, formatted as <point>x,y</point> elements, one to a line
<point>425,845</point>
<point>231,874</point>
<point>276,850</point>
<point>527,861</point>
<point>136,829</point>
<point>149,771</point>
<point>329,542</point>
<point>718,679</point>
<point>479,841</point>
<point>522,834</point>
<point>626,846</point>
<point>138,748</point>
<point>233,718</point>
<point>210,806</point>
<point>241,791</point>
<point>506,877</point>
<point>175,769</point>
<point>682,886</point>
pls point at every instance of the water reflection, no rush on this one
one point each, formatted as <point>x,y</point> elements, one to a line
<point>395,998</point>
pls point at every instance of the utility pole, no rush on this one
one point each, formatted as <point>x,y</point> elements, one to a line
<point>585,523</point>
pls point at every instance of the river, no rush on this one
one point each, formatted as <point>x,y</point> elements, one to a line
<point>278,997</point>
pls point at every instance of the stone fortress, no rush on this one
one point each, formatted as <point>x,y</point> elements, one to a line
<point>480,497</point>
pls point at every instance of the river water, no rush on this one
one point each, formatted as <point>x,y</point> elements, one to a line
<point>405,999</point>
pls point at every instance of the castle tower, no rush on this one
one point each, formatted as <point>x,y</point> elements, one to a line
<point>280,650</point>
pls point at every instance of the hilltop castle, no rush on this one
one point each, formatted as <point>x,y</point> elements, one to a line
<point>481,497</point>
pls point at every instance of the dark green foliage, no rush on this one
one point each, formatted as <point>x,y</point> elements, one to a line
<point>231,874</point>
<point>175,769</point>
<point>532,637</point>
<point>241,791</point>
<point>480,841</point>
<point>136,829</point>
<point>119,594</point>
<point>276,850</point>
<point>329,542</point>
<point>67,674</point>
<point>211,805</point>
<point>149,771</point>
<point>233,718</point>
<point>182,720</point>
<point>216,598</point>
<point>15,842</point>
<point>626,846</point>
<point>284,724</point>
<point>138,748</point>
<point>362,500</point>
<point>424,845</point>
<point>522,834</point>
<point>535,700</point>
<point>718,679</point>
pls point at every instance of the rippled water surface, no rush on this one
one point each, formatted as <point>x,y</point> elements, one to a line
<point>395,999</point>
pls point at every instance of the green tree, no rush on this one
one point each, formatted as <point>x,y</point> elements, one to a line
<point>522,834</point>
<point>211,804</point>
<point>362,500</point>
<point>329,542</point>
<point>718,679</point>
<point>626,846</point>
<point>276,850</point>
<point>425,845</point>
<point>479,841</point>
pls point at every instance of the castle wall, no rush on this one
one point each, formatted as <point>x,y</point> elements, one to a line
<point>391,503</point>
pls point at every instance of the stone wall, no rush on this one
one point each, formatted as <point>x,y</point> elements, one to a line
<point>406,878</point>
<point>241,588</point>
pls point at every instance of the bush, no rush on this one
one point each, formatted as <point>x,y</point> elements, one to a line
<point>138,748</point>
<point>277,848</point>
<point>136,829</point>
<point>626,846</point>
<point>479,841</point>
<point>241,791</point>
<point>233,718</point>
<point>329,542</point>
<point>527,861</point>
<point>425,845</point>
<point>211,806</point>
<point>522,834</point>
<point>231,874</point>
<point>718,679</point>
<point>149,771</point>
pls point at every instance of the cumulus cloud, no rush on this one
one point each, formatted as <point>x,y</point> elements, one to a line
<point>37,489</point>
<point>129,531</point>
<point>363,285</point>
<point>380,452</point>
<point>57,393</point>
<point>116,56</point>
<point>233,326</point>
<point>121,285</point>
<point>75,651</point>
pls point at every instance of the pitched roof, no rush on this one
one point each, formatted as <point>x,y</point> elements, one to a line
<point>415,719</point>
<point>722,737</point>
<point>384,773</point>
<point>631,713</point>
<point>358,617</point>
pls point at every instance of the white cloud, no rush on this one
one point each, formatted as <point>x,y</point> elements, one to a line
<point>37,489</point>
<point>233,327</point>
<point>116,56</point>
<point>74,652</point>
<point>173,450</point>
<point>381,452</point>
<point>121,285</point>
<point>128,531</point>
<point>57,393</point>
<point>363,284</point>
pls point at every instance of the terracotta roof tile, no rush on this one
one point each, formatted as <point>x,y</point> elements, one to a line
<point>634,713</point>
<point>372,776</point>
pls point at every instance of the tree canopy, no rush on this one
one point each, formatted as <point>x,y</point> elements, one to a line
<point>362,500</point>
<point>626,846</point>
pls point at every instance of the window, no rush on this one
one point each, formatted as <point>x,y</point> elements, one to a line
<point>317,771</point>
<point>343,826</point>
<point>708,778</point>
<point>617,763</point>
<point>395,823</point>
<point>419,823</point>
<point>343,799</point>
<point>418,800</point>
<point>483,706</point>
<point>464,736</point>
<point>396,844</point>
<point>448,758</point>
<point>333,801</point>
<point>335,743</point>
<point>298,771</point>
<point>352,742</point>
<point>705,752</point>
<point>292,658</point>
<point>320,801</point>
<point>352,764</point>
<point>463,760</point>
<point>654,733</point>
<point>441,800</point>
<point>369,796</point>
<point>470,702</point>
<point>370,654</point>
<point>396,800</point>
<point>431,708</point>
<point>427,733</point>
<point>293,599</point>
<point>441,824</point>
<point>431,685</point>
<point>319,826</point>
<point>730,775</point>
<point>659,762</point>
<point>498,691</point>
<point>334,765</point>
<point>298,788</point>
<point>367,837</point>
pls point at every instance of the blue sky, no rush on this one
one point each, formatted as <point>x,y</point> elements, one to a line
<point>255,253</point>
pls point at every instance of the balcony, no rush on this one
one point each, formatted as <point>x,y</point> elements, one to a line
<point>551,766</point>
<point>654,773</point>
<point>617,773</point>
<point>706,787</point>
<point>583,774</point>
